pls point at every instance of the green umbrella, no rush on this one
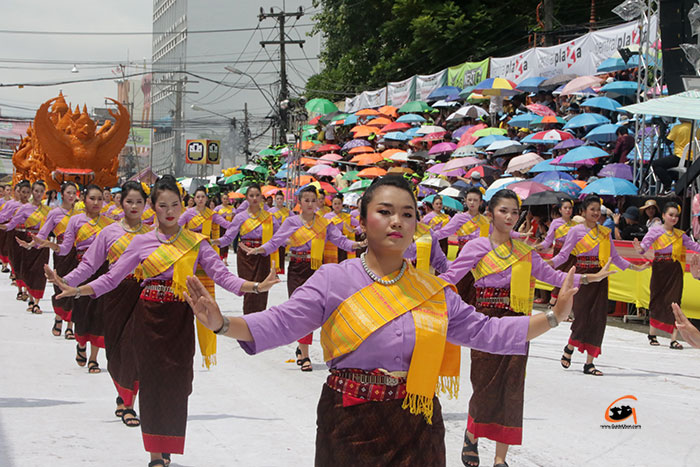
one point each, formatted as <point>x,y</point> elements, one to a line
<point>234,178</point>
<point>360,185</point>
<point>340,117</point>
<point>415,106</point>
<point>268,152</point>
<point>351,175</point>
<point>489,131</point>
<point>321,106</point>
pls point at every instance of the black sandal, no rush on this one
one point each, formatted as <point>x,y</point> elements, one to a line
<point>5,269</point>
<point>133,421</point>
<point>566,359</point>
<point>676,345</point>
<point>466,449</point>
<point>590,369</point>
<point>19,297</point>
<point>298,355</point>
<point>502,464</point>
<point>166,458</point>
<point>94,367</point>
<point>652,340</point>
<point>57,327</point>
<point>30,305</point>
<point>156,463</point>
<point>68,334</point>
<point>80,356</point>
<point>304,366</point>
<point>36,309</point>
<point>119,412</point>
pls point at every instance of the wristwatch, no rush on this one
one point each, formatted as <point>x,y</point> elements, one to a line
<point>255,287</point>
<point>552,319</point>
<point>77,294</point>
<point>224,327</point>
<point>584,279</point>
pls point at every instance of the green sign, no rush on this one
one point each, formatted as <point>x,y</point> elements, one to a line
<point>468,74</point>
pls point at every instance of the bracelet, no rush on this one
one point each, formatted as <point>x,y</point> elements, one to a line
<point>224,327</point>
<point>255,288</point>
<point>584,279</point>
<point>552,319</point>
<point>78,294</point>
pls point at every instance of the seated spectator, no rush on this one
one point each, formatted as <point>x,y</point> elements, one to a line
<point>631,228</point>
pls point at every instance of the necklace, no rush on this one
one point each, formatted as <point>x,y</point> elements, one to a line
<point>597,232</point>
<point>378,279</point>
<point>94,221</point>
<point>310,223</point>
<point>168,242</point>
<point>494,248</point>
<point>250,214</point>
<point>127,229</point>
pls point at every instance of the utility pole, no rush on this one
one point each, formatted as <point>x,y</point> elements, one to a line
<point>282,42</point>
<point>177,123</point>
<point>592,20</point>
<point>246,134</point>
<point>548,22</point>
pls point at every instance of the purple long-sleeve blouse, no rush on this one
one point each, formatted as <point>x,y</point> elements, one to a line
<point>480,247</point>
<point>74,225</point>
<point>438,260</point>
<point>549,238</point>
<point>391,346</point>
<point>576,233</point>
<point>20,216</point>
<point>52,219</point>
<point>8,210</point>
<point>454,224</point>
<point>143,245</point>
<point>192,212</point>
<point>294,223</point>
<point>659,230</point>
<point>235,226</point>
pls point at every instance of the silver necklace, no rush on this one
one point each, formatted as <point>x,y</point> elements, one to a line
<point>378,279</point>
<point>94,221</point>
<point>494,247</point>
<point>127,229</point>
<point>168,242</point>
<point>597,233</point>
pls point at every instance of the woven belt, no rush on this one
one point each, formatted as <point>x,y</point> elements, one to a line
<point>663,257</point>
<point>159,291</point>
<point>252,242</point>
<point>20,229</point>
<point>302,257</point>
<point>586,264</point>
<point>368,385</point>
<point>493,297</point>
<point>59,239</point>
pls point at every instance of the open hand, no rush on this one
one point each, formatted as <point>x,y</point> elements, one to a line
<point>53,277</point>
<point>641,267</point>
<point>24,244</point>
<point>203,304</point>
<point>270,280</point>
<point>603,273</point>
<point>689,332</point>
<point>248,250</point>
<point>695,266</point>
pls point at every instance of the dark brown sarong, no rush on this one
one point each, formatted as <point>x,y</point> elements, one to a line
<point>253,268</point>
<point>376,434</point>
<point>63,307</point>
<point>568,264</point>
<point>164,347</point>
<point>281,253</point>
<point>88,315</point>
<point>298,273</point>
<point>3,250</point>
<point>11,248</point>
<point>32,271</point>
<point>666,287</point>
<point>17,256</point>
<point>466,289</point>
<point>591,312</point>
<point>498,385</point>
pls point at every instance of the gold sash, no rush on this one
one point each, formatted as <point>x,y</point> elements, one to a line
<point>424,244</point>
<point>38,217</point>
<point>563,230</point>
<point>115,251</point>
<point>60,228</point>
<point>89,229</point>
<point>675,239</point>
<point>588,242</point>
<point>479,222</point>
<point>316,234</point>
<point>263,218</point>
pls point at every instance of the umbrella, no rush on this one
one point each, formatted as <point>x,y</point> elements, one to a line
<point>509,150</point>
<point>531,84</point>
<point>399,157</point>
<point>580,83</point>
<point>234,178</point>
<point>379,122</point>
<point>307,161</point>
<point>437,136</point>
<point>255,168</point>
<point>547,119</point>
<point>442,148</point>
<point>447,202</point>
<point>604,103</point>
<point>451,191</point>
<point>620,88</point>
<point>326,148</point>
<point>547,166</point>
<point>489,131</point>
<point>235,195</point>
<point>361,150</point>
<point>521,120</point>
<point>551,175</point>
<point>269,152</point>
<point>569,144</point>
<point>367,113</point>
<point>443,92</point>
<point>387,153</point>
<point>399,170</point>
<point>355,143</point>
<point>463,162</point>
<point>500,184</point>
<point>397,136</point>
<point>320,106</point>
<point>546,198</point>
<point>466,92</point>
<point>468,111</point>
<point>603,134</point>
<point>443,103</point>
<point>524,162</point>
<point>487,172</point>
<point>547,137</point>
<point>359,185</point>
<point>411,132</point>
<point>435,182</point>
<point>539,109</point>
<point>367,159</point>
<point>388,110</point>
<point>582,153</point>
<point>395,126</point>
<point>331,157</point>
<point>502,143</point>
<point>586,119</point>
<point>281,174</point>
<point>553,83</point>
<point>464,151</point>
<point>526,188</point>
<point>618,171</point>
<point>410,118</point>
<point>364,131</point>
<point>324,171</point>
<point>457,134</point>
<point>488,140</point>
<point>468,136</point>
<point>415,106</point>
<point>557,161</point>
<point>372,172</point>
<point>427,129</point>
<point>497,87</point>
<point>611,186</point>
<point>565,186</point>
<point>350,175</point>
<point>611,64</point>
<point>436,168</point>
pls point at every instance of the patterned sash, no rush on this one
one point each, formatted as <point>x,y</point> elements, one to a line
<point>118,247</point>
<point>434,364</point>
<point>107,207</point>
<point>202,219</point>
<point>588,242</point>
<point>60,228</point>
<point>479,222</point>
<point>264,218</point>
<point>316,234</point>
<point>424,244</point>
<point>330,253</point>
<point>439,218</point>
<point>37,218</point>
<point>148,214</point>
<point>226,212</point>
<point>675,239</point>
<point>89,229</point>
<point>563,230</point>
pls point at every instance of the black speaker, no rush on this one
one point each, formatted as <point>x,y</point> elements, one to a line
<point>675,30</point>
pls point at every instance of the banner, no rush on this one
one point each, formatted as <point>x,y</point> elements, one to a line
<point>425,84</point>
<point>570,58</point>
<point>373,98</point>
<point>140,138</point>
<point>352,104</point>
<point>516,67</point>
<point>468,74</point>
<point>196,152</point>
<point>607,41</point>
<point>213,151</point>
<point>400,92</point>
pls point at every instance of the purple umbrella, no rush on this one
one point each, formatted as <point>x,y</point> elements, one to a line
<point>569,144</point>
<point>617,170</point>
<point>442,148</point>
<point>437,168</point>
<point>460,131</point>
<point>547,176</point>
<point>424,191</point>
<point>355,143</point>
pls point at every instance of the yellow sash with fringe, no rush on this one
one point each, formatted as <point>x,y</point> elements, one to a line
<point>439,218</point>
<point>106,208</point>
<point>434,364</point>
<point>88,229</point>
<point>281,214</point>
<point>147,214</point>
<point>588,242</point>
<point>316,234</point>
<point>115,251</point>
<point>563,230</point>
<point>79,207</point>
<point>424,243</point>
<point>60,228</point>
<point>116,212</point>
<point>519,259</point>
<point>226,212</point>
<point>38,217</point>
<point>676,239</point>
<point>479,222</point>
<point>330,253</point>
<point>263,218</point>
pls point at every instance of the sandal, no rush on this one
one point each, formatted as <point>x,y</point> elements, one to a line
<point>469,447</point>
<point>36,309</point>
<point>652,340</point>
<point>133,421</point>
<point>57,327</point>
<point>25,296</point>
<point>156,463</point>
<point>119,412</point>
<point>5,269</point>
<point>30,305</point>
<point>80,355</point>
<point>298,355</point>
<point>166,458</point>
<point>566,361</point>
<point>676,345</point>
<point>19,297</point>
<point>590,369</point>
<point>306,364</point>
<point>68,334</point>
<point>502,464</point>
<point>94,367</point>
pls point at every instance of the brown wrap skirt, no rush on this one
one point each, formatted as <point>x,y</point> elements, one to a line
<point>298,273</point>
<point>591,312</point>
<point>32,271</point>
<point>88,315</point>
<point>666,287</point>
<point>254,268</point>
<point>63,307</point>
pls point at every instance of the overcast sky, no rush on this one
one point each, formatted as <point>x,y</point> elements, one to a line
<point>124,16</point>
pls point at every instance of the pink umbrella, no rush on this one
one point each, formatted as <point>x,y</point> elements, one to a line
<point>585,162</point>
<point>467,137</point>
<point>524,162</point>
<point>526,188</point>
<point>442,148</point>
<point>463,162</point>
<point>580,83</point>
<point>437,168</point>
<point>453,173</point>
<point>329,158</point>
<point>323,171</point>
<point>541,110</point>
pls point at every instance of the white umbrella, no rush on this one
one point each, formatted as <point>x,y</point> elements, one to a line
<point>452,192</point>
<point>435,183</point>
<point>399,157</point>
<point>462,162</point>
<point>426,130</point>
<point>524,162</point>
<point>444,103</point>
<point>463,151</point>
<point>501,144</point>
<point>351,199</point>
<point>468,111</point>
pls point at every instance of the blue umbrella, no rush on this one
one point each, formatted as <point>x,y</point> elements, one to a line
<point>447,201</point>
<point>611,64</point>
<point>350,120</point>
<point>621,88</point>
<point>565,186</point>
<point>582,153</point>
<point>604,103</point>
<point>611,186</point>
<point>546,166</point>
<point>355,143</point>
<point>586,119</point>
<point>603,134</point>
<point>412,132</point>
<point>522,120</point>
<point>281,174</point>
<point>548,176</point>
<point>410,118</point>
<point>443,92</point>
<point>487,140</point>
<point>397,136</point>
<point>531,84</point>
<point>466,92</point>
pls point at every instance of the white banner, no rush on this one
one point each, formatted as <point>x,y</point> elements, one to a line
<point>573,57</point>
<point>425,84</point>
<point>516,67</point>
<point>607,41</point>
<point>352,104</point>
<point>372,99</point>
<point>400,92</point>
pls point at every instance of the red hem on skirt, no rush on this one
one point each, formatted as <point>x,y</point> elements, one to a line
<point>584,347</point>
<point>20,283</point>
<point>127,395</point>
<point>38,294</point>
<point>163,443</point>
<point>662,326</point>
<point>501,434</point>
<point>308,340</point>
<point>98,341</point>
<point>63,314</point>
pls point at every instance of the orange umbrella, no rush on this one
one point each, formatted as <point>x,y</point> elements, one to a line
<point>366,113</point>
<point>398,170</point>
<point>372,172</point>
<point>268,190</point>
<point>361,150</point>
<point>235,195</point>
<point>363,131</point>
<point>305,145</point>
<point>307,161</point>
<point>303,180</point>
<point>367,159</point>
<point>380,122</point>
<point>580,183</point>
<point>390,152</point>
<point>389,111</point>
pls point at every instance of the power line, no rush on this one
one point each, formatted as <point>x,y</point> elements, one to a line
<point>128,33</point>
